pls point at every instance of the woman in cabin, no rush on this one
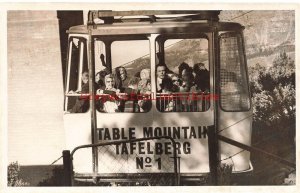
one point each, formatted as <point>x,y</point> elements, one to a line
<point>108,95</point>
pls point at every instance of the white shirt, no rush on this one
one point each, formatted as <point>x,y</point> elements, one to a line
<point>158,83</point>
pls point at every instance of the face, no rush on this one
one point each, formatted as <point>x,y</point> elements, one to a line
<point>145,74</point>
<point>185,76</point>
<point>109,83</point>
<point>166,91</point>
<point>85,78</point>
<point>175,81</point>
<point>133,86</point>
<point>122,73</point>
<point>201,67</point>
<point>97,78</point>
<point>149,86</point>
<point>161,72</point>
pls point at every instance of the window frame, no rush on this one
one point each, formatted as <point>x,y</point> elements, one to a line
<point>242,59</point>
<point>201,35</point>
<point>82,40</point>
<point>119,38</point>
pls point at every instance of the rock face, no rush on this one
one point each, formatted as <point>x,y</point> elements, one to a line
<point>272,29</point>
<point>266,32</point>
<point>265,37</point>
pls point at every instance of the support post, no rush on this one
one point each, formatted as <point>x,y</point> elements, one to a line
<point>213,154</point>
<point>68,168</point>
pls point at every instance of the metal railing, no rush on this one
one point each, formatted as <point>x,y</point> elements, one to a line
<point>183,102</point>
<point>68,160</point>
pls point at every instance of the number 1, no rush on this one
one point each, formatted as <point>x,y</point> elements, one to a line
<point>158,163</point>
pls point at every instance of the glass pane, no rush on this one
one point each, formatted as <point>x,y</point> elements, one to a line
<point>183,75</point>
<point>234,87</point>
<point>77,99</point>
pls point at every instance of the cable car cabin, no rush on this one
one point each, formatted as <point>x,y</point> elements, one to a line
<point>142,74</point>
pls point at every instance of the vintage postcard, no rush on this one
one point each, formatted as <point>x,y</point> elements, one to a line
<point>195,97</point>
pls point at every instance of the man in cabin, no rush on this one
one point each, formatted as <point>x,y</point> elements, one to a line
<point>160,75</point>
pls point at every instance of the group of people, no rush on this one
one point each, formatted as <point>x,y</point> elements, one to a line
<point>195,80</point>
<point>113,89</point>
<point>118,87</point>
<point>188,79</point>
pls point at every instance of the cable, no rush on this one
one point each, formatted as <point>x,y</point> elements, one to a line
<point>235,123</point>
<point>56,160</point>
<point>240,15</point>
<point>247,13</point>
<point>264,140</point>
<point>231,156</point>
<point>232,164</point>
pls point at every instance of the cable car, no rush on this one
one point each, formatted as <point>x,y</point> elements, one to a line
<point>141,75</point>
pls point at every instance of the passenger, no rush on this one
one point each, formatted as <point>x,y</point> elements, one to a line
<point>160,76</point>
<point>82,103</point>
<point>187,80</point>
<point>145,77</point>
<point>167,85</point>
<point>144,100</point>
<point>137,74</point>
<point>145,74</point>
<point>144,87</point>
<point>168,102</point>
<point>202,77</point>
<point>111,103</point>
<point>186,89</point>
<point>176,82</point>
<point>110,83</point>
<point>121,78</point>
<point>131,104</point>
<point>160,58</point>
<point>181,67</point>
<point>99,79</point>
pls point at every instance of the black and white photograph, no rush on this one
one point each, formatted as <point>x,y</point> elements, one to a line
<point>150,97</point>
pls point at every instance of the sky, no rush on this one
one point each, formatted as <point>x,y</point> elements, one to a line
<point>125,51</point>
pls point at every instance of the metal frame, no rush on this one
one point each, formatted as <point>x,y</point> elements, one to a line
<point>152,15</point>
<point>241,57</point>
<point>151,25</point>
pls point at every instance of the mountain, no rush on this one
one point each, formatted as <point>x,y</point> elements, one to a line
<point>266,34</point>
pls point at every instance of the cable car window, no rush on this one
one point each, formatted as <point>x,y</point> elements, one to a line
<point>233,75</point>
<point>123,76</point>
<point>77,89</point>
<point>182,75</point>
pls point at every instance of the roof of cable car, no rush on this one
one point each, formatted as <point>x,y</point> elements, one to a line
<point>167,27</point>
<point>106,22</point>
